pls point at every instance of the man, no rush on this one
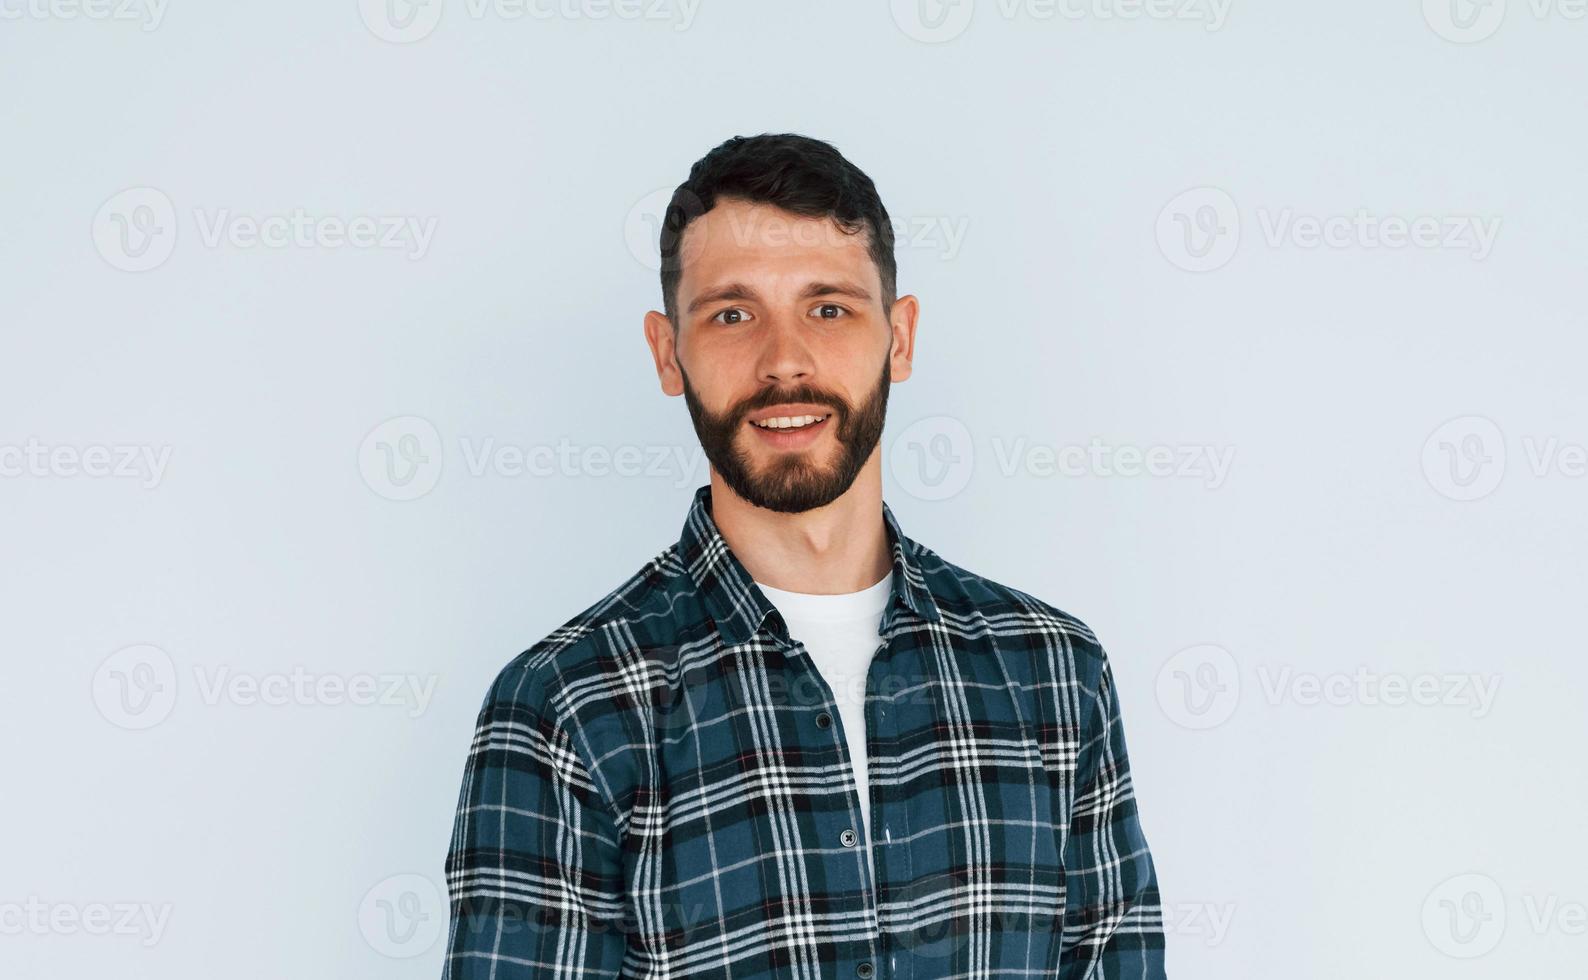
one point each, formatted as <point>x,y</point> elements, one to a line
<point>798,743</point>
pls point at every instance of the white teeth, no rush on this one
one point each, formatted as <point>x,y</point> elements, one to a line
<point>789,421</point>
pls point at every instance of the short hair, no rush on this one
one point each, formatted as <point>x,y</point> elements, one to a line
<point>806,176</point>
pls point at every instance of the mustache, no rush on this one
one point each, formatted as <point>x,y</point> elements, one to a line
<point>803,395</point>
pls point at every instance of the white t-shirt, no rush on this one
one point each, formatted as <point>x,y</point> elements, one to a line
<point>840,633</point>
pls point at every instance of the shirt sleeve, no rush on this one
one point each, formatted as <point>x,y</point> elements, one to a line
<point>1113,917</point>
<point>534,871</point>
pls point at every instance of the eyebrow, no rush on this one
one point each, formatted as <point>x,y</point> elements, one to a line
<point>740,291</point>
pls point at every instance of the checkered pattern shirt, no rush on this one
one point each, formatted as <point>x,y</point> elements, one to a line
<point>661,788</point>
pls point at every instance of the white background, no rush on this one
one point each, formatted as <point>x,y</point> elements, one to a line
<point>1403,508</point>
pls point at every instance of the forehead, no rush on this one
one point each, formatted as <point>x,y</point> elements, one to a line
<point>740,240</point>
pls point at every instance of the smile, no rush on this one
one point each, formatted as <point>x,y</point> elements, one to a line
<point>789,421</point>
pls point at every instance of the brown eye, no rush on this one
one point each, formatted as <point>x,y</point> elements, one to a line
<point>732,316</point>
<point>830,311</point>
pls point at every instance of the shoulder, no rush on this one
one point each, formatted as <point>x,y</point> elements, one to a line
<point>581,649</point>
<point>584,686</point>
<point>972,601</point>
<point>1040,644</point>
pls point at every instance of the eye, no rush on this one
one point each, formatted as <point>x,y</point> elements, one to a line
<point>830,311</point>
<point>733,316</point>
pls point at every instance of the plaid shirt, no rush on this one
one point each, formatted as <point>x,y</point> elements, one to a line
<point>661,788</point>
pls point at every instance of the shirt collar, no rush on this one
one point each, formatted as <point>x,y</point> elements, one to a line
<point>739,607</point>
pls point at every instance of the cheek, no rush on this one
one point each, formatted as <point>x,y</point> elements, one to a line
<point>719,371</point>
<point>723,361</point>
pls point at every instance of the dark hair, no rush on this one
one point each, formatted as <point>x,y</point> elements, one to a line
<point>796,173</point>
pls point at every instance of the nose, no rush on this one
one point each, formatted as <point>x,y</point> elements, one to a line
<point>785,356</point>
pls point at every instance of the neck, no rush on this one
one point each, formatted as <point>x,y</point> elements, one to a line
<point>839,548</point>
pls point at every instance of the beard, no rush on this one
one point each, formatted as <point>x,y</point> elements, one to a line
<point>792,482</point>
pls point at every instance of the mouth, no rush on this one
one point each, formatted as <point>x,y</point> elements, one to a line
<point>785,429</point>
<point>789,421</point>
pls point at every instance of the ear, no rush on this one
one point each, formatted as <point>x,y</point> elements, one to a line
<point>664,351</point>
<point>902,320</point>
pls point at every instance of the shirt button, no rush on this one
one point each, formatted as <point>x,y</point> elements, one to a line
<point>864,969</point>
<point>847,838</point>
<point>824,720</point>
